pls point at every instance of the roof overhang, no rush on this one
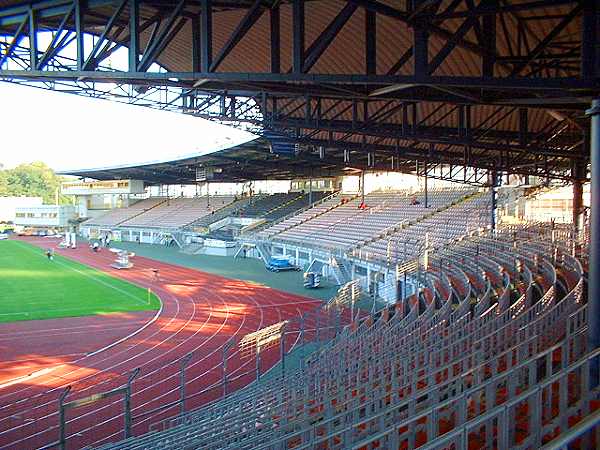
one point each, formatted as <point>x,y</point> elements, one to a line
<point>252,160</point>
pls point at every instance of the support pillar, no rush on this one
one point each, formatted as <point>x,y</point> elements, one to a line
<point>362,186</point>
<point>282,351</point>
<point>258,364</point>
<point>226,348</point>
<point>594,269</point>
<point>127,402</point>
<point>399,284</point>
<point>184,362</point>
<point>426,190</point>
<point>578,174</point>
<point>493,200</point>
<point>310,190</point>
<point>62,439</point>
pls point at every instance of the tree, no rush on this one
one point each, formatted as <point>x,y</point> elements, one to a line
<point>32,180</point>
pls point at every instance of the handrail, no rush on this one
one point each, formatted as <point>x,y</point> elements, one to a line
<point>582,427</point>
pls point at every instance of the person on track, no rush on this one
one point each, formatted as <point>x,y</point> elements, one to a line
<point>156,275</point>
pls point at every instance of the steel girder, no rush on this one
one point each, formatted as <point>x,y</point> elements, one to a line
<point>390,132</point>
<point>527,54</point>
<point>549,64</point>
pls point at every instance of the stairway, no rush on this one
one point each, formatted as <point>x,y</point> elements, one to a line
<point>341,272</point>
<point>261,248</point>
<point>263,252</point>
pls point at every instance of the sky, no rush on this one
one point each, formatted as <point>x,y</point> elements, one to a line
<point>67,131</point>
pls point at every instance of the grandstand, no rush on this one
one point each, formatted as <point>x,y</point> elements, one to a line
<point>461,369</point>
<point>467,316</point>
<point>473,327</point>
<point>362,218</point>
<point>118,216</point>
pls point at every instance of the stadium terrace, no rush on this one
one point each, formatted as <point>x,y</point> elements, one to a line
<point>404,254</point>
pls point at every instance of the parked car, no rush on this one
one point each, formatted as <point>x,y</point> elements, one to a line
<point>281,264</point>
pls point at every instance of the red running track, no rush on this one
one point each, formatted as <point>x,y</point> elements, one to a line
<point>200,313</point>
<point>30,346</point>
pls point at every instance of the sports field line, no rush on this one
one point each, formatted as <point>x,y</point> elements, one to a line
<point>43,310</point>
<point>48,370</point>
<point>128,294</point>
<point>34,359</point>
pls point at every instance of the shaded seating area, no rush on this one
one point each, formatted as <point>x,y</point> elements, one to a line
<point>354,221</point>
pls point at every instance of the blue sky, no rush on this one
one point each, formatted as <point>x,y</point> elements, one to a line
<point>67,131</point>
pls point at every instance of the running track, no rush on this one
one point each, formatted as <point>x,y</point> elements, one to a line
<point>200,313</point>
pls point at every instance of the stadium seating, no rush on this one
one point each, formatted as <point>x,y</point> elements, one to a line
<point>261,204</point>
<point>490,353</point>
<point>347,224</point>
<point>117,216</point>
<point>276,206</point>
<point>310,213</point>
<point>231,209</point>
<point>178,212</point>
<point>441,227</point>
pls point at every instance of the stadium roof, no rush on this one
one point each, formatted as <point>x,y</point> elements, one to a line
<point>496,85</point>
<point>251,160</point>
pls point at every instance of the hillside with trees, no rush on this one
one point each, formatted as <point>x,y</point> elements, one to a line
<point>31,180</point>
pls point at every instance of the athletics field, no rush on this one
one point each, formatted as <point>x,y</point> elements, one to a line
<point>33,287</point>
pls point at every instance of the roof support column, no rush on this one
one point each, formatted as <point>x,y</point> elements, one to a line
<point>298,36</point>
<point>134,34</point>
<point>371,42</point>
<point>578,173</point>
<point>207,194</point>
<point>426,187</point>
<point>494,183</point>
<point>196,44</point>
<point>420,45</point>
<point>594,262</point>
<point>361,181</point>
<point>33,52</point>
<point>79,27</point>
<point>206,35</point>
<point>489,42</point>
<point>275,40</point>
<point>590,53</point>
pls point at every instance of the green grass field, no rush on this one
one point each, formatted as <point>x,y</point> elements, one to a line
<point>31,287</point>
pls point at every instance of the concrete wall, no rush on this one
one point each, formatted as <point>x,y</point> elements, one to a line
<point>45,215</point>
<point>8,206</point>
